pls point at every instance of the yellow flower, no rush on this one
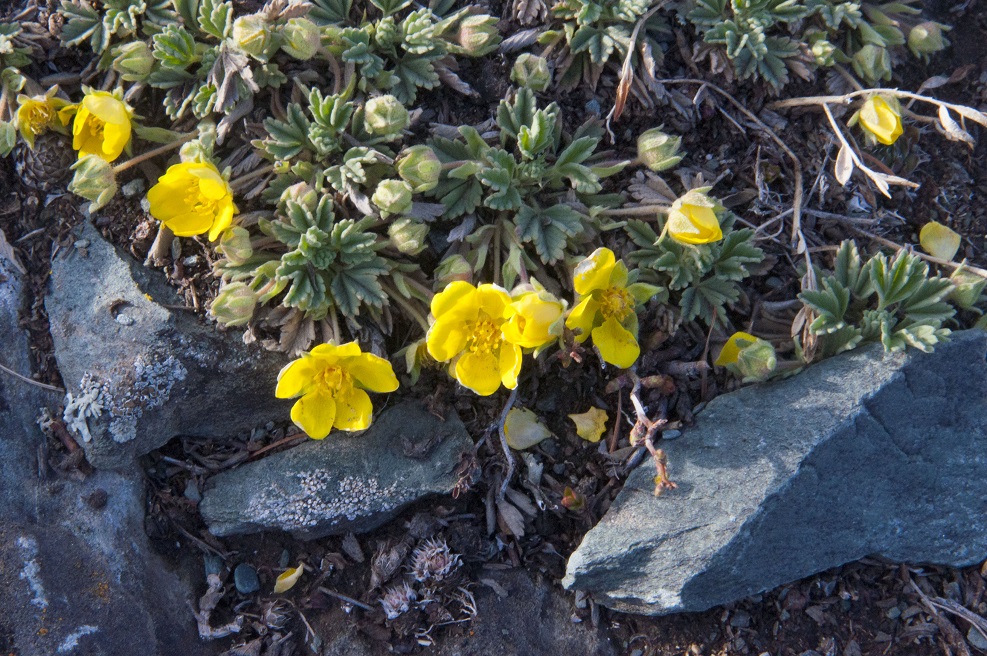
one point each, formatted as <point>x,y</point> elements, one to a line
<point>192,198</point>
<point>468,333</point>
<point>101,126</point>
<point>731,350</point>
<point>534,317</point>
<point>37,115</point>
<point>331,381</point>
<point>882,120</point>
<point>606,307</point>
<point>692,219</point>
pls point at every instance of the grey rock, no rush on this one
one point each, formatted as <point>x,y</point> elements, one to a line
<point>152,373</point>
<point>344,483</point>
<point>534,618</point>
<point>245,578</point>
<point>77,573</point>
<point>862,454</point>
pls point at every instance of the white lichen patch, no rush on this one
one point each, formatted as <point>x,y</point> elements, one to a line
<point>123,397</point>
<point>71,641</point>
<point>314,503</point>
<point>32,571</point>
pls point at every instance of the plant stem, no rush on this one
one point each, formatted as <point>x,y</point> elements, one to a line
<point>256,173</point>
<point>134,161</point>
<point>641,210</point>
<point>503,442</point>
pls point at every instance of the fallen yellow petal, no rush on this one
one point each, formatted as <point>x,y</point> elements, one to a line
<point>287,580</point>
<point>939,241</point>
<point>590,425</point>
<point>523,429</point>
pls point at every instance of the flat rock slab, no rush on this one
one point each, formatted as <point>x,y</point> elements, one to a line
<point>862,454</point>
<point>344,483</point>
<point>150,372</point>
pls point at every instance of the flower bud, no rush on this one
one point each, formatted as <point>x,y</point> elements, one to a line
<point>234,306</point>
<point>385,116</point>
<point>420,168</point>
<point>450,269</point>
<point>969,288</point>
<point>532,71</point>
<point>392,197</point>
<point>477,36</point>
<point>692,218</point>
<point>386,33</point>
<point>823,51</point>
<point>93,180</point>
<point>751,357</point>
<point>301,38</point>
<point>880,117</point>
<point>234,245</point>
<point>133,61</point>
<point>926,39</point>
<point>408,235</point>
<point>252,35</point>
<point>657,150</point>
<point>872,63</point>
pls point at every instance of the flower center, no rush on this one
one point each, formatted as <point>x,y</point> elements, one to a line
<point>94,127</point>
<point>39,117</point>
<point>616,302</point>
<point>333,379</point>
<point>486,336</point>
<point>198,203</point>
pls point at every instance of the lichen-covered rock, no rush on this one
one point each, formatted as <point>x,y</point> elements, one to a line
<point>139,373</point>
<point>77,573</point>
<point>865,453</point>
<point>344,483</point>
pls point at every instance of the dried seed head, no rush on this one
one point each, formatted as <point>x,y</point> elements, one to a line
<point>433,560</point>
<point>397,600</point>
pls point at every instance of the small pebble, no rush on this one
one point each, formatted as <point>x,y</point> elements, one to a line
<point>593,107</point>
<point>124,320</point>
<point>191,260</point>
<point>558,468</point>
<point>637,652</point>
<point>133,187</point>
<point>82,243</point>
<point>192,491</point>
<point>670,434</point>
<point>213,565</point>
<point>740,620</point>
<point>246,579</point>
<point>285,558</point>
<point>976,639</point>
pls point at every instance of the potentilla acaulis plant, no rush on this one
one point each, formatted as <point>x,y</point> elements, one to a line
<point>289,143</point>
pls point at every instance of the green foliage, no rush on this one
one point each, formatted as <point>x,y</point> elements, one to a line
<point>99,23</point>
<point>703,277</point>
<point>769,39</point>
<point>12,54</point>
<point>598,32</point>
<point>392,54</point>
<point>319,262</point>
<point>537,184</point>
<point>894,301</point>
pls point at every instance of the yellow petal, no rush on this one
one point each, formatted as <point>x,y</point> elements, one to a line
<point>493,300</point>
<point>287,579</point>
<point>211,183</point>
<point>295,378</point>
<point>479,372</point>
<point>166,200</point>
<point>532,319</point>
<point>582,317</point>
<point>590,425</point>
<point>616,344</point>
<point>877,117</point>
<point>315,413</point>
<point>594,272</point>
<point>223,220</point>
<point>189,224</point>
<point>353,409</point>
<point>372,373</point>
<point>106,108</point>
<point>939,241</point>
<point>446,339</point>
<point>693,224</point>
<point>115,139</point>
<point>510,364</point>
<point>731,350</point>
<point>523,429</point>
<point>457,297</point>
